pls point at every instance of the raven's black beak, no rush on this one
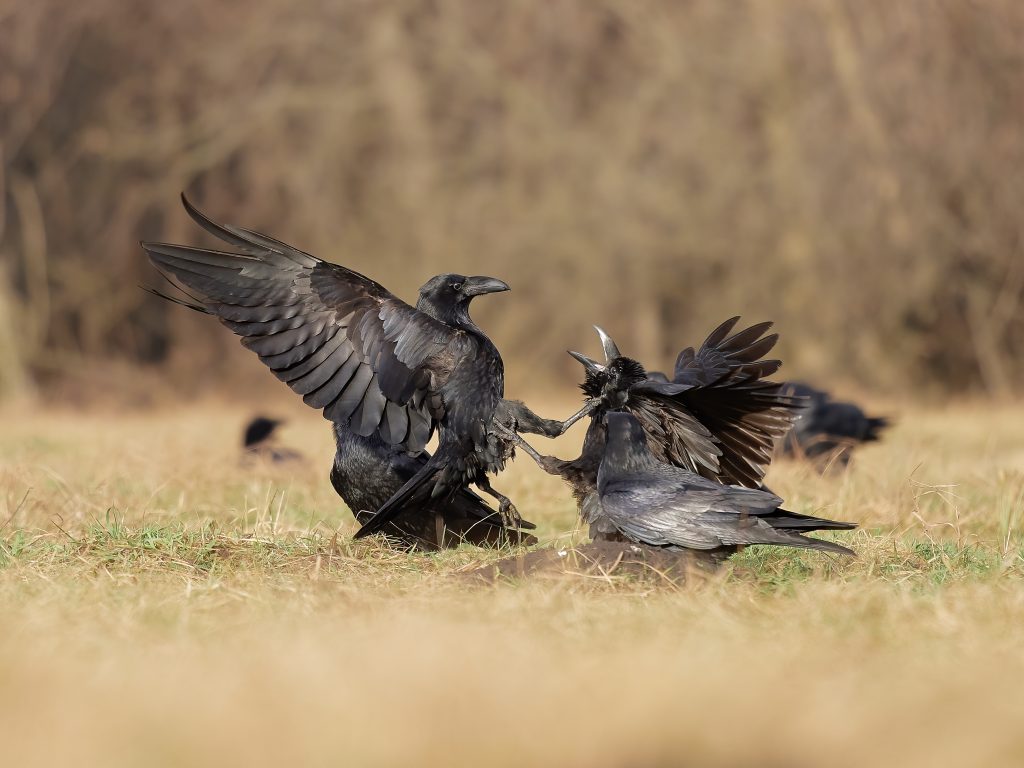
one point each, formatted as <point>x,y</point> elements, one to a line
<point>610,350</point>
<point>591,365</point>
<point>479,285</point>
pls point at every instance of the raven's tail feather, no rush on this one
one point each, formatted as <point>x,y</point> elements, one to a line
<point>809,542</point>
<point>483,533</point>
<point>415,489</point>
<point>784,520</point>
<point>462,509</point>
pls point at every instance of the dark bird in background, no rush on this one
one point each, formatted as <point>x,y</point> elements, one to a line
<point>656,504</point>
<point>259,430</point>
<point>375,365</point>
<point>718,418</point>
<point>825,430</point>
<point>257,441</point>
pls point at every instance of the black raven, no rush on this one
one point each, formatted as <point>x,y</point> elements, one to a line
<point>367,472</point>
<point>659,505</point>
<point>828,430</point>
<point>256,440</point>
<point>719,418</point>
<point>259,430</point>
<point>374,364</point>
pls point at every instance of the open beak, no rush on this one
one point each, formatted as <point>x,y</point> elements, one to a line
<point>591,365</point>
<point>610,350</point>
<point>479,285</point>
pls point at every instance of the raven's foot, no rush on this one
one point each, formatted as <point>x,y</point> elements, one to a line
<point>507,432</point>
<point>549,464</point>
<point>510,516</point>
<point>516,439</point>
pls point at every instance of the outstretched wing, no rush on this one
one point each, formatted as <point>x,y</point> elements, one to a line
<point>342,341</point>
<point>720,389</point>
<point>739,355</point>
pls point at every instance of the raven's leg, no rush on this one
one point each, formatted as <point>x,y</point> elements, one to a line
<point>528,421</point>
<point>550,464</point>
<point>510,516</point>
<point>514,437</point>
<point>586,410</point>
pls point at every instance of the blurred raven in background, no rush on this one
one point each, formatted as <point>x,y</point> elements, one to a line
<point>259,430</point>
<point>257,441</point>
<point>374,364</point>
<point>825,430</point>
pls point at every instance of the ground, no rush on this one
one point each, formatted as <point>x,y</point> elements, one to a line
<point>165,604</point>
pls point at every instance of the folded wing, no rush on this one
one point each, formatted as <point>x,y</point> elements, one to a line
<point>698,516</point>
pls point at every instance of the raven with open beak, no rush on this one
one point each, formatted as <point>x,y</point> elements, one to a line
<point>718,418</point>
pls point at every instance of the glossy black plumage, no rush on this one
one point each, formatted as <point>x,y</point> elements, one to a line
<point>718,418</point>
<point>367,472</point>
<point>372,363</point>
<point>660,505</point>
<point>825,429</point>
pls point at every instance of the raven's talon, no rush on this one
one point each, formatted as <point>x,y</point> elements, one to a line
<point>510,516</point>
<point>503,430</point>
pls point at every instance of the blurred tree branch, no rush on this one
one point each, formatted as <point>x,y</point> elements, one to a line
<point>845,169</point>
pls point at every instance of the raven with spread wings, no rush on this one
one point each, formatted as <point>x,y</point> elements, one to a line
<point>718,418</point>
<point>375,365</point>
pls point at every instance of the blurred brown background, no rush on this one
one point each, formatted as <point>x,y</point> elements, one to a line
<point>853,170</point>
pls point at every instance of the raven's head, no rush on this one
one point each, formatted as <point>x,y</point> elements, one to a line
<point>447,297</point>
<point>610,382</point>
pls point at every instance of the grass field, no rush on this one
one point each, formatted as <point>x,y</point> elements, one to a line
<point>164,605</point>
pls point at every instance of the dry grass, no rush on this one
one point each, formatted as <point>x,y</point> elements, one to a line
<point>165,606</point>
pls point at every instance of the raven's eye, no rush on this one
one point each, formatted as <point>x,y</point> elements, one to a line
<point>456,286</point>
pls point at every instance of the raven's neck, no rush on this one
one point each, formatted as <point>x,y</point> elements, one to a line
<point>453,315</point>
<point>625,457</point>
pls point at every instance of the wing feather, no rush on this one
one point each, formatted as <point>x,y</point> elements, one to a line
<point>345,405</point>
<point>326,395</point>
<point>721,387</point>
<point>340,339</point>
